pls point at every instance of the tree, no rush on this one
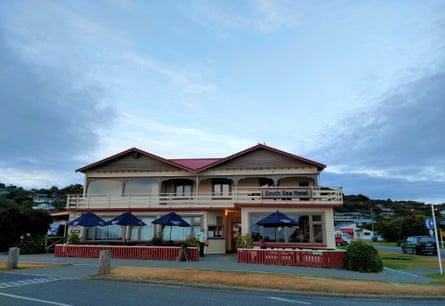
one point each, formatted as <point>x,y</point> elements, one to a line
<point>17,221</point>
<point>398,229</point>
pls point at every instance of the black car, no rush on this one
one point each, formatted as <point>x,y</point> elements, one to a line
<point>419,245</point>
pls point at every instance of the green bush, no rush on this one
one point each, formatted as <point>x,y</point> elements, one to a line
<point>157,239</point>
<point>244,242</point>
<point>362,257</point>
<point>73,239</point>
<point>191,241</point>
<point>32,244</point>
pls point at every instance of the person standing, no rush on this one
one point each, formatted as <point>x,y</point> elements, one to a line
<point>202,239</point>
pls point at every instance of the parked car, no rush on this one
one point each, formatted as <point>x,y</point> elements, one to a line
<point>341,239</point>
<point>377,238</point>
<point>419,245</point>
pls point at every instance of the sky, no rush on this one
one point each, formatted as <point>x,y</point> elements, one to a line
<point>356,85</point>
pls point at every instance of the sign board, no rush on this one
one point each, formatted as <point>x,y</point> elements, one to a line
<point>429,223</point>
<point>285,193</point>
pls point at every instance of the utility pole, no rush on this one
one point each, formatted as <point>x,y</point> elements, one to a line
<point>437,239</point>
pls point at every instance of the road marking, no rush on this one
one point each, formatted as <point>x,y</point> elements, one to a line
<point>33,300</point>
<point>288,300</point>
<point>29,281</point>
<point>398,271</point>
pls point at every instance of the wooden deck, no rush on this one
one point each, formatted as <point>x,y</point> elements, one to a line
<point>290,257</point>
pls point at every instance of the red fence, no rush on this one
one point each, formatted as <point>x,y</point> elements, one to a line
<point>129,252</point>
<point>305,258</point>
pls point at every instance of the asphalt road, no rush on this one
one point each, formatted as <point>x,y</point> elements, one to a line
<point>398,249</point>
<point>71,285</point>
<point>100,292</point>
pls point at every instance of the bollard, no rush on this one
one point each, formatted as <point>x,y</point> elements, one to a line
<point>104,262</point>
<point>13,258</point>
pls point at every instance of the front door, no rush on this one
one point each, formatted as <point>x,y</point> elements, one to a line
<point>234,220</point>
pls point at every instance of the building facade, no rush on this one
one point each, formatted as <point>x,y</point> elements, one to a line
<point>225,196</point>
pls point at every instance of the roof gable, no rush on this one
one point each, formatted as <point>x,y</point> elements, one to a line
<point>132,159</point>
<point>259,155</point>
<point>264,156</point>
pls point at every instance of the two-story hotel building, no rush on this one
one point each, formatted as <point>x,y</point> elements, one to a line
<point>226,196</point>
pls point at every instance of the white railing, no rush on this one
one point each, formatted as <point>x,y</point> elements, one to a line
<point>253,195</point>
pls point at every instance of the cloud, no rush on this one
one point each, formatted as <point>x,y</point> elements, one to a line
<point>167,140</point>
<point>186,84</point>
<point>396,145</point>
<point>271,14</point>
<point>49,115</point>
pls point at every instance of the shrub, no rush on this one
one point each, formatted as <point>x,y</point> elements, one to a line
<point>362,257</point>
<point>32,244</point>
<point>157,239</point>
<point>191,241</point>
<point>73,239</point>
<point>244,241</point>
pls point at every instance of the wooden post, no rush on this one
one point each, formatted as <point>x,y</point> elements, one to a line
<point>13,258</point>
<point>104,262</point>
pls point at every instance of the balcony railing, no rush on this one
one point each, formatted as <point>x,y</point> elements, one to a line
<point>254,195</point>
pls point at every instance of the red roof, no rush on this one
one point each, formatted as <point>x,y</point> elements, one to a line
<point>195,163</point>
<point>200,164</point>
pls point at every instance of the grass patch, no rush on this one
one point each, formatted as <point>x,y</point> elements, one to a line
<point>439,279</point>
<point>274,281</point>
<point>390,244</point>
<point>30,265</point>
<point>401,261</point>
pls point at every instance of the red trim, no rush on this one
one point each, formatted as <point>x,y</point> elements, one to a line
<point>291,245</point>
<point>286,205</point>
<point>145,209</point>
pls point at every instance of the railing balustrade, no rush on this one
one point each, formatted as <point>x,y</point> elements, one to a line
<point>252,195</point>
<point>304,258</point>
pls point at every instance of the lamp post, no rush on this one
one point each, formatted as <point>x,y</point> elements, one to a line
<point>437,239</point>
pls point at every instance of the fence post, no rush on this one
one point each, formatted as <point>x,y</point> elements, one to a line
<point>104,262</point>
<point>13,258</point>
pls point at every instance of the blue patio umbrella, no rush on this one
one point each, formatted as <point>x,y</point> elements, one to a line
<point>277,219</point>
<point>126,218</point>
<point>171,219</point>
<point>88,219</point>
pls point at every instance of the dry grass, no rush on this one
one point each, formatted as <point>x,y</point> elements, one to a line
<point>28,265</point>
<point>275,281</point>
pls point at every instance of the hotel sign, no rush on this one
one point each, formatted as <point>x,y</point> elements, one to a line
<point>285,193</point>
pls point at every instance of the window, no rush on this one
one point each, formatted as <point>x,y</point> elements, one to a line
<point>141,186</point>
<point>105,187</point>
<point>308,230</point>
<point>215,231</point>
<point>183,188</point>
<point>221,188</point>
<point>181,233</point>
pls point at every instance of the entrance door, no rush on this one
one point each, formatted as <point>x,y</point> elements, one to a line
<point>234,219</point>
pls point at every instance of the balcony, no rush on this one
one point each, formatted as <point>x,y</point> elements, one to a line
<point>245,195</point>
